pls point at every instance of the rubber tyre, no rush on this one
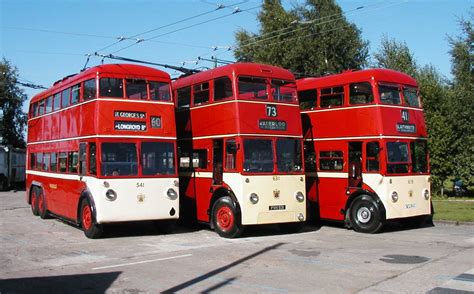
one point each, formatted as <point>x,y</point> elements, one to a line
<point>34,200</point>
<point>91,229</point>
<point>291,228</point>
<point>226,218</point>
<point>42,206</point>
<point>364,215</point>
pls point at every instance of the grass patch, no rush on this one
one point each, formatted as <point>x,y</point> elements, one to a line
<point>462,211</point>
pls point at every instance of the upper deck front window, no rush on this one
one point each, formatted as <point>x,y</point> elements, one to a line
<point>110,87</point>
<point>160,91</point>
<point>389,94</point>
<point>136,89</point>
<point>284,91</point>
<point>222,88</point>
<point>360,93</point>
<point>410,96</point>
<point>253,88</point>
<point>307,99</point>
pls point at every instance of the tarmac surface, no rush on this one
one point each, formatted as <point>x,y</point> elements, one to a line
<point>50,256</point>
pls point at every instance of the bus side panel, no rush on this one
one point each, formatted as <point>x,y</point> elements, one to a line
<point>351,121</point>
<point>224,117</point>
<point>332,197</point>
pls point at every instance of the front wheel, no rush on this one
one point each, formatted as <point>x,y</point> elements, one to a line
<point>226,218</point>
<point>364,215</point>
<point>91,229</point>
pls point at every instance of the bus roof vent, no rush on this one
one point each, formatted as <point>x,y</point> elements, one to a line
<point>266,70</point>
<point>63,79</point>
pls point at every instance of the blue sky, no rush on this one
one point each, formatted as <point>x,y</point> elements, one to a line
<point>48,39</point>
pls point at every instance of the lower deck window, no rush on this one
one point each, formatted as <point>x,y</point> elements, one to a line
<point>119,159</point>
<point>398,158</point>
<point>331,160</point>
<point>157,158</point>
<point>258,155</point>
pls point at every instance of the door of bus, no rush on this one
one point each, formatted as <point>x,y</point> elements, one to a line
<point>217,162</point>
<point>355,164</point>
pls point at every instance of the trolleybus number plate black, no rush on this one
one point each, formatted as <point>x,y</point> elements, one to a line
<point>274,125</point>
<point>130,114</point>
<point>277,207</point>
<point>406,128</point>
<point>130,126</point>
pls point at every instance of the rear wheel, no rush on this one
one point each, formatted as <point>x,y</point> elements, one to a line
<point>42,208</point>
<point>34,201</point>
<point>226,218</point>
<point>91,229</point>
<point>364,215</point>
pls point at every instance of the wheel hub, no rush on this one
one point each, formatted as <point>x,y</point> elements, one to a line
<point>225,218</point>
<point>364,215</point>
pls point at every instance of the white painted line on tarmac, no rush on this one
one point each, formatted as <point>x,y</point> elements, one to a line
<point>140,262</point>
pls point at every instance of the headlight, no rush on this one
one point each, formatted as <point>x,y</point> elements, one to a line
<point>172,194</point>
<point>111,195</point>
<point>253,198</point>
<point>300,196</point>
<point>426,194</point>
<point>394,196</point>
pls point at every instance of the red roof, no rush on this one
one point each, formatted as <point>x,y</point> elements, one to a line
<point>132,70</point>
<point>379,74</point>
<point>236,69</point>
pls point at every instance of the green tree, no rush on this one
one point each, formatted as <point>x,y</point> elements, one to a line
<point>395,55</point>
<point>12,118</point>
<point>311,39</point>
<point>461,104</point>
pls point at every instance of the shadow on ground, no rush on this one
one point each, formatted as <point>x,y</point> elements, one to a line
<point>81,283</point>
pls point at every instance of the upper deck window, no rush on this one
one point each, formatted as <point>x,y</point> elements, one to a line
<point>222,88</point>
<point>410,96</point>
<point>110,87</point>
<point>201,93</point>
<point>284,91</point>
<point>49,104</point>
<point>75,94</point>
<point>66,98</point>
<point>136,89</point>
<point>389,94</point>
<point>160,91</point>
<point>184,97</point>
<point>89,90</point>
<point>57,101</point>
<point>41,107</point>
<point>398,157</point>
<point>252,88</point>
<point>360,93</point>
<point>307,99</point>
<point>331,97</point>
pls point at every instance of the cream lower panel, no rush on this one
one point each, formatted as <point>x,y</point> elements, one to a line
<point>266,187</point>
<point>137,199</point>
<point>410,189</point>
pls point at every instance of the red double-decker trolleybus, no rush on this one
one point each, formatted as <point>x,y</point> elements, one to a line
<point>101,148</point>
<point>365,148</point>
<point>240,147</point>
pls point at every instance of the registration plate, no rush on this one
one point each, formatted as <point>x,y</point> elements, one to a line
<point>410,205</point>
<point>277,207</point>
